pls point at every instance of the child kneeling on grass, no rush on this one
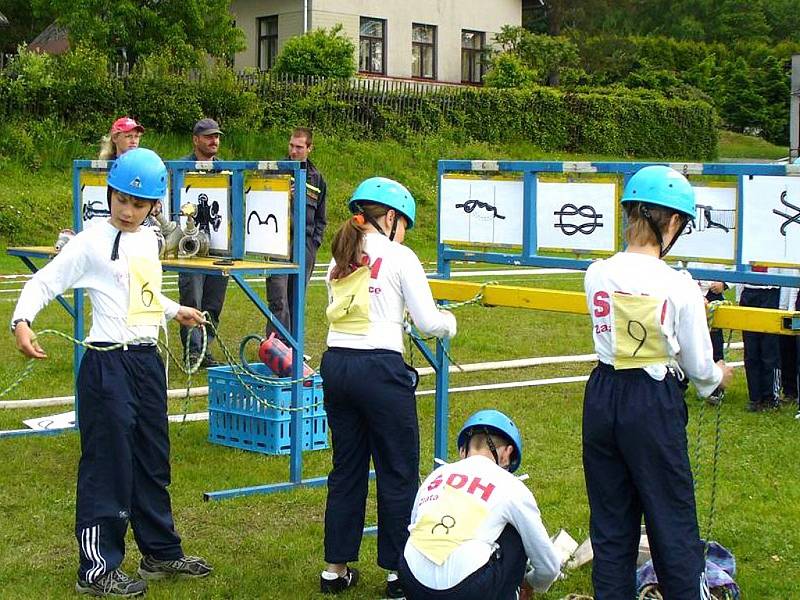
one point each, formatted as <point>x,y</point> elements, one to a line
<point>475,526</point>
<point>124,468</point>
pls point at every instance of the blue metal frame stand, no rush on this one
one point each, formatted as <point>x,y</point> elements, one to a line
<point>528,255</point>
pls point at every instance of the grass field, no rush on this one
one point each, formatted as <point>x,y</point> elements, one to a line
<point>271,546</point>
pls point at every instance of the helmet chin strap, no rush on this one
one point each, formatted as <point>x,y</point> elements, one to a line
<point>377,225</point>
<point>115,246</point>
<point>663,251</point>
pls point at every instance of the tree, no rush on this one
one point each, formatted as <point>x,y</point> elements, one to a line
<point>544,55</point>
<point>130,29</point>
<point>23,23</point>
<point>318,53</point>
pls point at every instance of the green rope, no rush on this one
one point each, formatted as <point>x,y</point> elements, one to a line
<point>476,299</point>
<point>712,307</point>
<point>185,366</point>
<point>237,369</point>
<point>709,524</point>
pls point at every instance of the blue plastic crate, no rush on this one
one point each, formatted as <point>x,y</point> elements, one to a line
<point>238,420</point>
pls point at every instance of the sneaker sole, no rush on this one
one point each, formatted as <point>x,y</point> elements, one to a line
<point>90,592</point>
<point>158,575</point>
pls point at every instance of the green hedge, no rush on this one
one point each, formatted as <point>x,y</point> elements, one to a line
<point>88,99</point>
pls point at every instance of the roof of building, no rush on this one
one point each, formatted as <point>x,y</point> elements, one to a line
<point>53,40</point>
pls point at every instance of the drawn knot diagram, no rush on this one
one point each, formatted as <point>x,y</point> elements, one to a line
<point>587,212</point>
<point>795,218</point>
<point>471,205</point>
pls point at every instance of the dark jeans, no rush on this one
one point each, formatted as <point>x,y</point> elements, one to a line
<point>498,579</point>
<point>124,468</point>
<point>281,292</point>
<point>636,463</point>
<point>372,413</point>
<point>204,292</point>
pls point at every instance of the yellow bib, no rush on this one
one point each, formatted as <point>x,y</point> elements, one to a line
<point>144,281</point>
<point>637,324</point>
<point>452,520</point>
<point>348,311</point>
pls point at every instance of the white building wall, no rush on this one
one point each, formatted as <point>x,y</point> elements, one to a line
<point>246,13</point>
<point>449,17</point>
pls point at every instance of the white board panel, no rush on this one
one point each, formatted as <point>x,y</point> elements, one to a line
<point>771,208</point>
<point>576,216</point>
<point>485,211</point>
<point>712,237</point>
<point>94,205</point>
<point>267,217</point>
<point>211,194</point>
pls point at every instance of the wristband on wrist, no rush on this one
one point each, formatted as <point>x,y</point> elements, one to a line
<point>17,322</point>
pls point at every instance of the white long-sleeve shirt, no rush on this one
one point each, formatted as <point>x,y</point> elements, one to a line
<point>676,320</point>
<point>85,262</point>
<point>460,511</point>
<point>396,281</point>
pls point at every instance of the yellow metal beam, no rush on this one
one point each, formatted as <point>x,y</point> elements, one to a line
<point>743,318</point>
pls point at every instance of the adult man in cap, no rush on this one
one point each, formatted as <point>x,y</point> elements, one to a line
<point>280,290</point>
<point>205,292</point>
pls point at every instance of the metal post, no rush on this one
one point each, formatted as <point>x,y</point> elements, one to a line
<point>794,110</point>
<point>298,323</point>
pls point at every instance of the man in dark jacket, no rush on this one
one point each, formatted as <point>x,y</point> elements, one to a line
<point>280,289</point>
<point>204,292</point>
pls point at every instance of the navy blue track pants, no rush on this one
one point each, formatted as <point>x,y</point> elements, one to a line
<point>124,469</point>
<point>761,350</point>
<point>498,579</point>
<point>372,412</point>
<point>636,463</point>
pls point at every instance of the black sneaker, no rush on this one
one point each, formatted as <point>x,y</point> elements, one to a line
<point>394,590</point>
<point>209,362</point>
<point>114,583</point>
<point>340,584</point>
<point>186,566</point>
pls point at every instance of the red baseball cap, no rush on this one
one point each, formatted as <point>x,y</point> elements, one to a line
<point>125,124</point>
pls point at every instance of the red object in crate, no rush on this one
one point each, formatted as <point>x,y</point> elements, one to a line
<point>278,357</point>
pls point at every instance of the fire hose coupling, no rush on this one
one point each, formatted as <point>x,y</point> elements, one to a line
<point>193,240</point>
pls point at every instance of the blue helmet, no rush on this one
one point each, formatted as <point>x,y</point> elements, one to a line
<point>387,192</point>
<point>661,186</point>
<point>495,422</point>
<point>139,172</point>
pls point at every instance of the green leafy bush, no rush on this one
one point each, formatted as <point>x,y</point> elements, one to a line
<point>507,70</point>
<point>17,142</point>
<point>545,55</point>
<point>160,96</point>
<point>318,53</point>
<point>225,98</point>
